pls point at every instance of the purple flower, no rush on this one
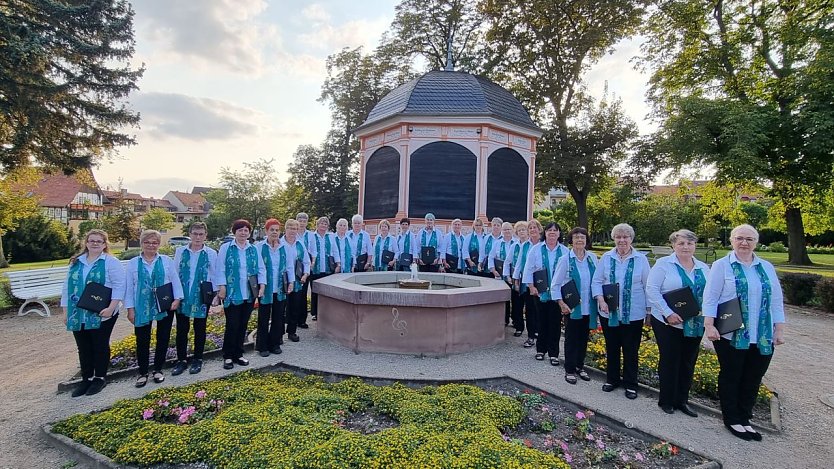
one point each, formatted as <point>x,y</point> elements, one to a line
<point>506,438</point>
<point>183,418</point>
<point>624,457</point>
<point>200,394</point>
<point>563,445</point>
<point>568,458</point>
<point>580,415</point>
<point>590,437</point>
<point>639,457</point>
<point>600,444</point>
<point>147,414</point>
<point>163,403</point>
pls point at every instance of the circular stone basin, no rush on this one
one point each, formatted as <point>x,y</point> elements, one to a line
<point>368,312</point>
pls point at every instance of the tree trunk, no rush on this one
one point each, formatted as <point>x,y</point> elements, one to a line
<point>580,197</point>
<point>3,262</point>
<point>797,252</point>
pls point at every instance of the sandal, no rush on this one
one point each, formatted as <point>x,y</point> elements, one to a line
<point>570,378</point>
<point>141,381</point>
<point>158,377</point>
<point>583,375</point>
<point>540,356</point>
<point>554,361</point>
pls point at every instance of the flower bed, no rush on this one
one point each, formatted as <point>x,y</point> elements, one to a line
<point>704,380</point>
<point>123,352</point>
<point>281,420</point>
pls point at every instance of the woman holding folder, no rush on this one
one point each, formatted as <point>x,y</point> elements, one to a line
<point>90,328</point>
<point>744,280</point>
<point>453,248</point>
<point>272,305</point>
<point>298,269</point>
<point>384,248</point>
<point>678,338</point>
<point>573,275</point>
<point>619,287</point>
<point>241,277</point>
<point>152,293</point>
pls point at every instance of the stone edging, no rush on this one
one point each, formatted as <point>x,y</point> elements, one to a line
<point>67,386</point>
<point>775,416</point>
<point>83,454</point>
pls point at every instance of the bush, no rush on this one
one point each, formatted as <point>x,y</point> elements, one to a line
<point>39,239</point>
<point>825,293</point>
<point>799,287</point>
<point>777,246</point>
<point>128,254</point>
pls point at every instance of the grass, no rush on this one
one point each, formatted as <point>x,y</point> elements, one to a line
<point>46,264</point>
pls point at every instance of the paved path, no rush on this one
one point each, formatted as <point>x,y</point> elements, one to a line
<point>37,354</point>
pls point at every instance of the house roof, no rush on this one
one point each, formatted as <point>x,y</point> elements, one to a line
<point>112,195</point>
<point>58,190</point>
<point>201,189</point>
<point>190,200</point>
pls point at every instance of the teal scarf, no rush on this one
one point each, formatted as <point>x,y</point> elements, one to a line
<point>456,252</point>
<point>488,246</point>
<point>192,305</point>
<point>407,243</point>
<point>546,265</point>
<point>576,313</point>
<point>694,327</point>
<point>146,309</point>
<point>378,248</point>
<point>271,276</point>
<point>432,240</point>
<point>319,260</point>
<point>621,315</point>
<point>234,296</point>
<point>347,265</point>
<point>474,246</point>
<point>77,317</point>
<point>522,251</point>
<point>299,252</point>
<point>741,337</point>
<point>358,242</point>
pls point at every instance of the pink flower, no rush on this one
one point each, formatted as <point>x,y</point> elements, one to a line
<point>600,444</point>
<point>200,394</point>
<point>624,457</point>
<point>176,411</point>
<point>163,403</point>
<point>639,457</point>
<point>147,414</point>
<point>568,458</point>
<point>580,415</point>
<point>590,437</point>
<point>184,417</point>
<point>563,445</point>
<point>545,408</point>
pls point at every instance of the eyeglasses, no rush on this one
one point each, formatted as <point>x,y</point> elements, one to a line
<point>151,243</point>
<point>742,239</point>
<point>95,241</point>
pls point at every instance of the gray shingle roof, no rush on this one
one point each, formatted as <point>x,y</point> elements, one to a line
<point>442,93</point>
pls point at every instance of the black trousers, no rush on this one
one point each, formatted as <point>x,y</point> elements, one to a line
<point>237,317</point>
<point>576,343</point>
<point>739,378</point>
<point>678,355</point>
<point>531,310</point>
<point>314,297</point>
<point>270,324</point>
<point>624,339</point>
<point>517,310</point>
<point>429,268</point>
<point>302,315</point>
<point>295,305</point>
<point>183,327</point>
<point>94,349</point>
<point>143,344</point>
<point>550,328</point>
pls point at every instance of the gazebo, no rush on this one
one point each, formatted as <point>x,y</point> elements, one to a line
<point>450,143</point>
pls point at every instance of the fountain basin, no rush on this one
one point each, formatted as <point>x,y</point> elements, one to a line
<point>367,312</point>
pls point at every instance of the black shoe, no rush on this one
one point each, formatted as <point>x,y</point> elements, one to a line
<point>304,326</point>
<point>293,337</point>
<point>228,364</point>
<point>517,334</point>
<point>529,342</point>
<point>242,361</point>
<point>196,367</point>
<point>686,410</point>
<point>666,408</point>
<point>315,318</point>
<point>276,350</point>
<point>97,386</point>
<point>631,394</point>
<point>754,435</point>
<point>609,387</point>
<point>583,375</point>
<point>82,388</point>
<point>746,436</point>
<point>179,367</point>
<point>264,353</point>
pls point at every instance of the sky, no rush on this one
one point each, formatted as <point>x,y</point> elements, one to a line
<point>234,81</point>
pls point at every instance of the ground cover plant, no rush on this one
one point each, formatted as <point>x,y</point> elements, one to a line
<point>281,420</point>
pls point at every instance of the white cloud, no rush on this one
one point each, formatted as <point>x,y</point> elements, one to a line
<point>315,12</point>
<point>328,38</point>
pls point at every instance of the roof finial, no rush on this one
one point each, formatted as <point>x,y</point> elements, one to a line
<point>450,66</point>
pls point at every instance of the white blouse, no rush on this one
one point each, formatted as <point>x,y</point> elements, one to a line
<point>663,278</point>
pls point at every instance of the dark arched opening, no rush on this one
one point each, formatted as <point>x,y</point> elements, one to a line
<point>507,177</point>
<point>382,184</point>
<point>442,181</point>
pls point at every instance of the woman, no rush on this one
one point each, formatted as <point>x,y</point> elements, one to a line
<point>298,261</point>
<point>406,244</point>
<point>360,242</point>
<point>430,236</point>
<point>195,266</point>
<point>453,246</point>
<point>744,355</point>
<point>528,236</point>
<point>343,245</point>
<point>384,242</point>
<point>91,329</point>
<point>273,302</point>
<point>622,327</point>
<point>500,250</point>
<point>491,241</point>
<point>577,267</point>
<point>473,248</point>
<point>678,341</point>
<point>145,273</point>
<point>325,247</point>
<point>237,262</point>
<point>544,257</point>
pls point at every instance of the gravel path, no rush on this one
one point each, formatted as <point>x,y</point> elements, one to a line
<point>37,354</point>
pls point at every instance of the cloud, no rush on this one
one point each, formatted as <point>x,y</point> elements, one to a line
<point>326,37</point>
<point>172,115</point>
<point>211,32</point>
<point>158,187</point>
<point>315,12</point>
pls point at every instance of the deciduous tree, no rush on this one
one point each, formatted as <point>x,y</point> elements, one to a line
<point>17,202</point>
<point>158,219</point>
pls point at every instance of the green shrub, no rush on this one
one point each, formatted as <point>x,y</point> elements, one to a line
<point>39,239</point>
<point>825,293</point>
<point>129,254</point>
<point>777,246</point>
<point>799,287</point>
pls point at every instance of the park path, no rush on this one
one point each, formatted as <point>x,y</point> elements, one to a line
<point>37,354</point>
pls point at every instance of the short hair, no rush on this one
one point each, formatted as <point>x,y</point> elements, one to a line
<point>323,219</point>
<point>271,222</point>
<point>405,220</point>
<point>150,234</point>
<point>477,221</point>
<point>521,224</point>
<point>683,233</point>
<point>356,219</point>
<point>538,225</point>
<point>292,223</point>
<point>623,228</point>
<point>384,222</point>
<point>745,226</point>
<point>576,231</point>
<point>302,215</point>
<point>457,220</point>
<point>553,224</point>
<point>429,216</point>
<point>197,225</point>
<point>506,224</point>
<point>498,220</point>
<point>341,221</point>
<point>241,223</point>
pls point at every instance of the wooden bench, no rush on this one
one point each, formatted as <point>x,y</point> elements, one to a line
<point>35,286</point>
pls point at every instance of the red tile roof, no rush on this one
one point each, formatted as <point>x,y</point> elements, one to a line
<point>58,190</point>
<point>195,201</point>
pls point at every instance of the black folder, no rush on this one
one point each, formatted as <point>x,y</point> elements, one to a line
<point>405,260</point>
<point>299,268</point>
<point>206,293</point>
<point>387,256</point>
<point>285,280</point>
<point>540,281</point>
<point>361,262</point>
<point>253,286</point>
<point>729,317</point>
<point>499,266</point>
<point>570,294</point>
<point>474,256</point>
<point>611,295</point>
<point>331,264</point>
<point>428,254</point>
<point>452,261</point>
<point>683,302</point>
<point>95,297</point>
<point>164,296</point>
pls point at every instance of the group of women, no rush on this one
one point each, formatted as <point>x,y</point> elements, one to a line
<point>620,292</point>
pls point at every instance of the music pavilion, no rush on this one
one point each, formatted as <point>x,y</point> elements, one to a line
<point>450,143</point>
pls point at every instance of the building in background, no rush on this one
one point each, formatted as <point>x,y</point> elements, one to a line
<point>70,199</point>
